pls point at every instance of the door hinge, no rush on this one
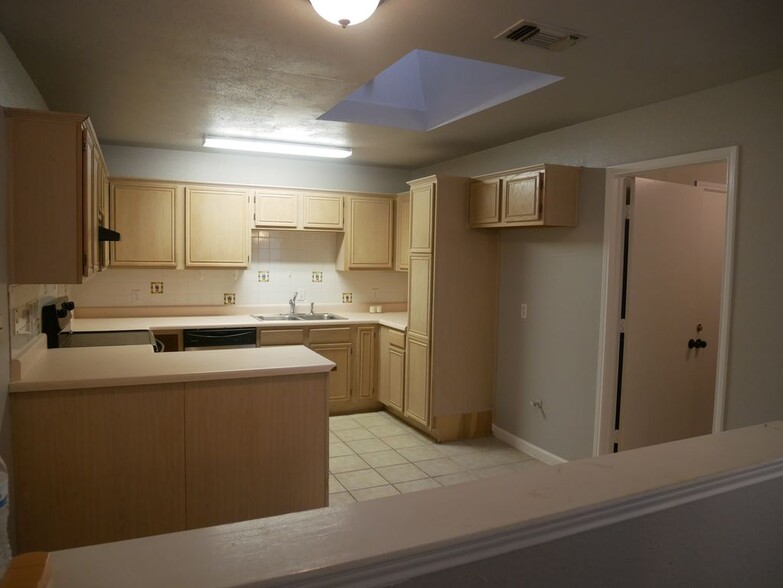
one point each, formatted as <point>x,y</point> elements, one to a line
<point>622,325</point>
<point>627,211</point>
<point>616,436</point>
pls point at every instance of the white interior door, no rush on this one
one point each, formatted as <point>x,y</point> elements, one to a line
<point>674,275</point>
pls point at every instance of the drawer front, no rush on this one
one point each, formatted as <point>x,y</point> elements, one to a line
<point>280,337</point>
<point>337,335</point>
<point>397,338</point>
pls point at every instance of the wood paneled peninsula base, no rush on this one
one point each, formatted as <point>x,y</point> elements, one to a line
<point>113,462</point>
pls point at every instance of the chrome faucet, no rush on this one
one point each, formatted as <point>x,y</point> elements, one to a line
<point>292,303</point>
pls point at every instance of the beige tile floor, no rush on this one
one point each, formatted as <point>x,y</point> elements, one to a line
<point>373,455</point>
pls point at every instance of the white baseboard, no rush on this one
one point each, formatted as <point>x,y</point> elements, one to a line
<point>527,447</point>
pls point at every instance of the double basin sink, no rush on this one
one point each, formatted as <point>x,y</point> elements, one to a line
<point>303,316</point>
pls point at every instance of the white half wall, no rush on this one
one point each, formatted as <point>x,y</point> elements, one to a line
<point>557,271</point>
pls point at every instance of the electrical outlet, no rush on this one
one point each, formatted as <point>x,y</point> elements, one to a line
<point>523,311</point>
<point>229,298</point>
<point>318,277</point>
<point>156,287</point>
<point>22,324</point>
<point>263,275</point>
<point>135,296</point>
<point>347,297</point>
<point>374,294</point>
<point>301,295</point>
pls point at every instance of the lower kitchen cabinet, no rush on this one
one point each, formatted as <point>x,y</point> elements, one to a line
<point>417,385</point>
<point>353,381</point>
<point>391,367</point>
<point>340,376</point>
<point>107,464</point>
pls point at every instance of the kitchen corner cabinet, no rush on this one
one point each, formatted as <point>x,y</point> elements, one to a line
<point>401,232</point>
<point>368,242</point>
<point>145,215</point>
<point>217,227</point>
<point>452,314</point>
<point>352,383</point>
<point>541,196</point>
<point>290,209</point>
<point>56,200</point>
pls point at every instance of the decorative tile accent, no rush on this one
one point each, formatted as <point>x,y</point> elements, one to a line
<point>347,297</point>
<point>318,277</point>
<point>156,287</point>
<point>263,275</point>
<point>229,298</point>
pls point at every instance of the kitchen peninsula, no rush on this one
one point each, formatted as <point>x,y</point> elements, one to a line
<point>113,443</point>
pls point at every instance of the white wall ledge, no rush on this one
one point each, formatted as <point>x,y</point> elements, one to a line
<point>389,540</point>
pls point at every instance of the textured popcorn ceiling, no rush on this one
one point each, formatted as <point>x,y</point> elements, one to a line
<point>166,72</point>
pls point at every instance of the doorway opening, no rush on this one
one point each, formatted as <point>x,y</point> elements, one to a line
<point>711,166</point>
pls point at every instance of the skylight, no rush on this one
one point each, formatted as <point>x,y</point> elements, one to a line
<point>426,90</point>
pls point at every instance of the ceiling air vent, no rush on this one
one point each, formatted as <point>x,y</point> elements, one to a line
<point>541,35</point>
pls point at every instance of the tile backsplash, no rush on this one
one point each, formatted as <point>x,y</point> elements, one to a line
<point>282,262</point>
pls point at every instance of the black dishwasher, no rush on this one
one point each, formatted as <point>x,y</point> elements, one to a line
<point>204,339</point>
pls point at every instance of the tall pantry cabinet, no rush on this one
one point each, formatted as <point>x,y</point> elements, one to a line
<point>452,313</point>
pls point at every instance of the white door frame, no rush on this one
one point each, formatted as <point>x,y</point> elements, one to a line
<point>609,333</point>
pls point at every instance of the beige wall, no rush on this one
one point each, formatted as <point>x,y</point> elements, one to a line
<point>558,271</point>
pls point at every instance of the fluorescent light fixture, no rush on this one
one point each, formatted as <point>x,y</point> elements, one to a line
<point>345,12</point>
<point>279,147</point>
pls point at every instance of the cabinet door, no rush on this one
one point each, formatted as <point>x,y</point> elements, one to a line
<point>145,215</point>
<point>276,209</point>
<point>484,202</point>
<point>370,233</point>
<point>419,294</point>
<point>422,210</point>
<point>103,218</point>
<point>402,232</point>
<point>396,381</point>
<point>323,211</point>
<point>365,363</point>
<point>417,388</point>
<point>217,231</point>
<point>340,376</point>
<point>522,197</point>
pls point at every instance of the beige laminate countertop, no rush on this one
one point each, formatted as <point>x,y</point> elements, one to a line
<point>395,320</point>
<point>95,367</point>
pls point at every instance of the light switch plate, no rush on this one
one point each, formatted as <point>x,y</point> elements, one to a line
<point>523,311</point>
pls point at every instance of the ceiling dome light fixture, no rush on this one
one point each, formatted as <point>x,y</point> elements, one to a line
<point>345,12</point>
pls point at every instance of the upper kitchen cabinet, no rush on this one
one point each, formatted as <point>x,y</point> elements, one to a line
<point>217,227</point>
<point>145,215</point>
<point>289,209</point>
<point>541,196</point>
<point>452,315</point>
<point>402,232</point>
<point>368,242</point>
<point>55,193</point>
